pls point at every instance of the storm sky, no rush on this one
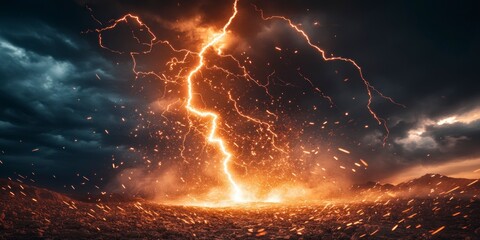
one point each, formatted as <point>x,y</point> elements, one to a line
<point>69,109</point>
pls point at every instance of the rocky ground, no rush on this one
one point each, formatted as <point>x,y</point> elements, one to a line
<point>34,213</point>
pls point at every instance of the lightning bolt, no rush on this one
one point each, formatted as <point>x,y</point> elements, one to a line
<point>237,194</point>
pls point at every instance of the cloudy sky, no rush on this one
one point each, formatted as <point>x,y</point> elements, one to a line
<point>73,115</point>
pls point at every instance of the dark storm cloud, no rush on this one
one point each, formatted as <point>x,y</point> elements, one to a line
<point>55,112</point>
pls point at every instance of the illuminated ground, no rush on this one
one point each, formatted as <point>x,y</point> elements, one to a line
<point>31,213</point>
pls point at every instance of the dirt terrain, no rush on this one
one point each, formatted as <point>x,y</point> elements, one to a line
<point>33,213</point>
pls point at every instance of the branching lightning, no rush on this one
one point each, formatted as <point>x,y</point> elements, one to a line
<point>322,52</point>
<point>189,75</point>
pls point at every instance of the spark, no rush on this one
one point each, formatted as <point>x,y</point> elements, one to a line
<point>438,230</point>
<point>394,227</point>
<point>470,184</point>
<point>453,189</point>
<point>364,163</point>
<point>344,150</point>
